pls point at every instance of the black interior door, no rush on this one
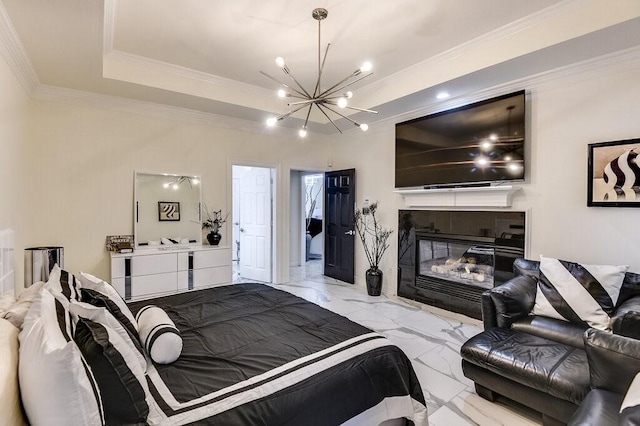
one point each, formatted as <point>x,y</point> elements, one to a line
<point>340,196</point>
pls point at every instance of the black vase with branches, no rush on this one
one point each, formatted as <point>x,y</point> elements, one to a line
<point>375,241</point>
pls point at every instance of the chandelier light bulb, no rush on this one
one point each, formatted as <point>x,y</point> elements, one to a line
<point>366,67</point>
<point>271,121</point>
<point>280,61</point>
<point>364,127</point>
<point>493,137</point>
<point>349,94</point>
<point>195,181</point>
<point>342,102</point>
<point>282,93</point>
<point>302,133</point>
<point>175,186</point>
<point>165,186</point>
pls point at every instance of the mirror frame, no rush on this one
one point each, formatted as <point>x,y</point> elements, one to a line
<point>136,190</point>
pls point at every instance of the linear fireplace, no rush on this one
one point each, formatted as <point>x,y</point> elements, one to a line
<point>449,258</point>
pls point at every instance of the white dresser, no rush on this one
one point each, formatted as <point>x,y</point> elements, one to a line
<point>154,272</point>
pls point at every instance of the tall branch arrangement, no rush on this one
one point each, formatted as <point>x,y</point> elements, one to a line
<point>375,238</point>
<point>312,200</point>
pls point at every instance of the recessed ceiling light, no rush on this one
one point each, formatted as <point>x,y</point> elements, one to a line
<point>442,95</point>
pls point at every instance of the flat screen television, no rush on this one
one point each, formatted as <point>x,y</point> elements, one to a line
<point>477,144</point>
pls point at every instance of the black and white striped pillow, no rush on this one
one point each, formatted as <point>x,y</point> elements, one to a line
<point>56,383</point>
<point>118,374</point>
<point>582,294</point>
<point>64,283</point>
<point>99,293</point>
<point>159,335</point>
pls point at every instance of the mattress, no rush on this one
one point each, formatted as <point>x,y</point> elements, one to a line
<point>255,355</point>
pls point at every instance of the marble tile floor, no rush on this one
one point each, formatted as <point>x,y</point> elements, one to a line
<point>430,337</point>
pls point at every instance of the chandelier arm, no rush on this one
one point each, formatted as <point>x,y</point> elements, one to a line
<point>355,108</point>
<point>306,101</point>
<point>287,72</point>
<point>328,118</point>
<point>341,115</point>
<point>293,111</point>
<point>305,96</point>
<point>306,120</point>
<point>332,90</point>
<point>320,67</point>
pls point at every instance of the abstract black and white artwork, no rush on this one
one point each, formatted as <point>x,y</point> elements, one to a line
<point>614,174</point>
<point>168,211</point>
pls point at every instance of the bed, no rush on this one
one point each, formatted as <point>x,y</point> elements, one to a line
<point>255,355</point>
<point>250,355</point>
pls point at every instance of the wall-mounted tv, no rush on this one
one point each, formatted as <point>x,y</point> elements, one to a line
<point>477,144</point>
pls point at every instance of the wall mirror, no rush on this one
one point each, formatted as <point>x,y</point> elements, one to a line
<point>167,209</point>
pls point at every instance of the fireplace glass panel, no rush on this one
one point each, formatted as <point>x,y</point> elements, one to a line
<point>462,262</point>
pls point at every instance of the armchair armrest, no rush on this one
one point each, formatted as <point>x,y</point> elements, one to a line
<point>613,360</point>
<point>488,311</point>
<point>511,301</point>
<point>626,319</point>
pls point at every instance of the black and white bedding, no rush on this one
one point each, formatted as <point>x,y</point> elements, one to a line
<point>255,355</point>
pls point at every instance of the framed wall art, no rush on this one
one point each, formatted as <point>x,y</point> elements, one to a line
<point>614,174</point>
<point>168,211</point>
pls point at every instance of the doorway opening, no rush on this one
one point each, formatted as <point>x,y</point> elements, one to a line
<point>307,222</point>
<point>252,223</point>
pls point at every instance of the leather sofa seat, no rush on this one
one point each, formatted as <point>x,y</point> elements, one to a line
<point>551,367</point>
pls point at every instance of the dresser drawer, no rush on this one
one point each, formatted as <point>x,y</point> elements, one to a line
<point>208,277</point>
<point>211,258</point>
<point>156,264</point>
<point>150,284</point>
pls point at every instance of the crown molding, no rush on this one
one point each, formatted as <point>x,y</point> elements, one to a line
<point>618,62</point>
<point>13,51</point>
<point>149,109</point>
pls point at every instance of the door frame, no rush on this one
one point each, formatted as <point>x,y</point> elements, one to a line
<point>276,226</point>
<point>303,170</point>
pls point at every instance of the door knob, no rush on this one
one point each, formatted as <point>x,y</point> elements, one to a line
<point>350,232</point>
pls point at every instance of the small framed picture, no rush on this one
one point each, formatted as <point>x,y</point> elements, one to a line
<point>168,211</point>
<point>614,174</point>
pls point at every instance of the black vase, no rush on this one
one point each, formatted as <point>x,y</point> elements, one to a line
<point>214,238</point>
<point>374,282</point>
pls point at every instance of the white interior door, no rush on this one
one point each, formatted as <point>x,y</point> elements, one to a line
<point>255,224</point>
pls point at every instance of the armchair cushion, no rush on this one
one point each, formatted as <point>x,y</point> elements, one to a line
<point>552,329</point>
<point>613,360</point>
<point>578,293</point>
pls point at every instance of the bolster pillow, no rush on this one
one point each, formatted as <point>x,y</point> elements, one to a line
<point>159,335</point>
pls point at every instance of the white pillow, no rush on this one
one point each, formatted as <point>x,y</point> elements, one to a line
<point>10,408</point>
<point>6,302</point>
<point>578,293</point>
<point>159,335</point>
<point>56,384</point>
<point>16,313</point>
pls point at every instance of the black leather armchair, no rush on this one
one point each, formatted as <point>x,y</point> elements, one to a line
<point>613,363</point>
<point>537,361</point>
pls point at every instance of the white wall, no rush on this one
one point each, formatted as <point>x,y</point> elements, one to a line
<point>568,111</point>
<point>82,159</point>
<point>14,179</point>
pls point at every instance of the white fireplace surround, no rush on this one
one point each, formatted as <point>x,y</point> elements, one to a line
<point>486,196</point>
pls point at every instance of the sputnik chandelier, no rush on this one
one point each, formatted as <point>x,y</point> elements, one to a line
<point>327,100</point>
